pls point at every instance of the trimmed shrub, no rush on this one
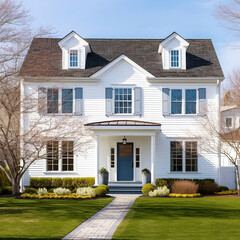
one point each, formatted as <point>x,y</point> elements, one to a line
<point>161,182</point>
<point>208,187</point>
<point>100,191</point>
<point>223,188</point>
<point>105,186</point>
<point>86,191</point>
<point>83,182</point>
<point>30,191</point>
<point>42,191</point>
<point>148,188</point>
<point>3,179</point>
<point>69,183</point>
<point>51,190</point>
<point>61,191</point>
<point>57,182</point>
<point>184,187</point>
<point>159,192</point>
<point>170,181</point>
<point>74,190</point>
<point>6,190</point>
<point>41,182</point>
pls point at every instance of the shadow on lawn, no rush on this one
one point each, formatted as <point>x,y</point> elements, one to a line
<point>178,210</point>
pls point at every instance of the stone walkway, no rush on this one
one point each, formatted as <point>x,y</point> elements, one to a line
<point>103,224</point>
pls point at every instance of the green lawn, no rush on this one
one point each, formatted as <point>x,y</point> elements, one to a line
<point>45,218</point>
<point>181,219</point>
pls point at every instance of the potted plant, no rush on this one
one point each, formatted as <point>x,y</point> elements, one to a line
<point>103,176</point>
<point>146,176</point>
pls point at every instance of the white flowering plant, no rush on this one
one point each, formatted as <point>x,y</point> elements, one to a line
<point>85,191</point>
<point>61,191</point>
<point>42,191</point>
<point>159,192</point>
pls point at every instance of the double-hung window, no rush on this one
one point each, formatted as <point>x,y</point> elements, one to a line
<point>174,58</point>
<point>67,100</point>
<point>123,101</point>
<point>63,161</point>
<point>191,101</point>
<point>184,156</point>
<point>73,58</point>
<point>52,100</point>
<point>176,101</point>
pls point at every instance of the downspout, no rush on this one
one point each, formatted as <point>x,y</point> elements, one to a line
<point>219,128</point>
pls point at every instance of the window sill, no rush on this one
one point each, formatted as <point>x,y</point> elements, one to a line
<point>62,114</point>
<point>60,172</point>
<point>184,173</point>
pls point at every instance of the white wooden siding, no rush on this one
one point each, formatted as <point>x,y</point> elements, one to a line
<point>123,74</point>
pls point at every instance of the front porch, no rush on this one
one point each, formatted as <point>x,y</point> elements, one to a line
<point>124,148</point>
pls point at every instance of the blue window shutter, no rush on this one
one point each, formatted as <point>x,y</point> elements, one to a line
<point>42,100</point>
<point>137,101</point>
<point>79,101</point>
<point>109,101</point>
<point>165,101</point>
<point>202,101</point>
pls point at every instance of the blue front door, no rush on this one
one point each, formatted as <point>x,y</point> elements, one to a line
<point>125,162</point>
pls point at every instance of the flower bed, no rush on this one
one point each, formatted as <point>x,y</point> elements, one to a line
<point>228,192</point>
<point>54,196</point>
<point>179,195</point>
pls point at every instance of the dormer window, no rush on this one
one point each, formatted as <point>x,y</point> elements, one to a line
<point>173,50</point>
<point>174,58</point>
<point>74,51</point>
<point>73,59</point>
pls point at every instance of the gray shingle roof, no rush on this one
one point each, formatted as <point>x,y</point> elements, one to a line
<point>44,58</point>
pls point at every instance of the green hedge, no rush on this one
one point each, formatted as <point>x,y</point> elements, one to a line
<point>169,181</point>
<point>3,180</point>
<point>69,183</point>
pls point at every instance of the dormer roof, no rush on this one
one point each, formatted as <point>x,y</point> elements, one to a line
<point>165,42</point>
<point>71,35</point>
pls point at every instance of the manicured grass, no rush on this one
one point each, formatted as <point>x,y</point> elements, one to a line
<point>181,219</point>
<point>45,218</point>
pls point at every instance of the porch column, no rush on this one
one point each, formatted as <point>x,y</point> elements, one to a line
<point>97,160</point>
<point>153,159</point>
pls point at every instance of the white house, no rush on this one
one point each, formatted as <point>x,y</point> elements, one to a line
<point>140,97</point>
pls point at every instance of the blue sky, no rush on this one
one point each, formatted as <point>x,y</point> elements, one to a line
<point>139,19</point>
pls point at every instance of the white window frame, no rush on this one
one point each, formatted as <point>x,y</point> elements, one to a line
<point>121,114</point>
<point>184,101</point>
<point>179,58</point>
<point>231,127</point>
<point>78,62</point>
<point>60,158</point>
<point>184,155</point>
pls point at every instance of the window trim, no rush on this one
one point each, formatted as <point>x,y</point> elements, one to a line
<point>60,158</point>
<point>113,107</point>
<point>179,58</point>
<point>185,90</point>
<point>184,101</point>
<point>78,54</point>
<point>184,156</point>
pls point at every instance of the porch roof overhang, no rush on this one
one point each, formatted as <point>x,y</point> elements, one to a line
<point>124,125</point>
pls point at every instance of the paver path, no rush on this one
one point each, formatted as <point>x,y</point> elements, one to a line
<point>103,224</point>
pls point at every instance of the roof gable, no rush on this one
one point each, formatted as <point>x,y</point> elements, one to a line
<point>116,61</point>
<point>70,36</point>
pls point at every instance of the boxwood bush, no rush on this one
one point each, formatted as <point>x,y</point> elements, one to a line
<point>100,191</point>
<point>148,188</point>
<point>30,191</point>
<point>70,183</point>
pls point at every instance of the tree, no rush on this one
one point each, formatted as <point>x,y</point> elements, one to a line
<point>217,138</point>
<point>21,145</point>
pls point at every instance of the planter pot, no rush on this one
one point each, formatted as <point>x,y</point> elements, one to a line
<point>103,179</point>
<point>146,178</point>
